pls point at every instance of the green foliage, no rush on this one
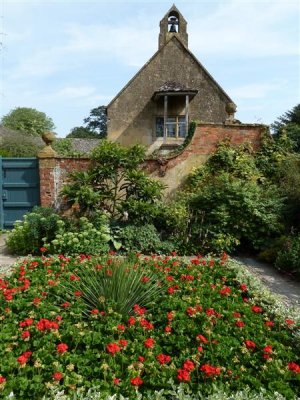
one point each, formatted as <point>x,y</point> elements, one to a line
<point>113,180</point>
<point>288,257</point>
<point>80,236</point>
<point>82,194</point>
<point>180,392</point>
<point>288,179</point>
<point>64,148</point>
<point>271,154</point>
<point>82,133</point>
<point>97,121</point>
<point>228,203</point>
<point>227,211</point>
<point>236,161</point>
<point>144,239</point>
<point>5,153</point>
<point>28,120</point>
<point>27,236</point>
<point>290,117</point>
<point>95,125</point>
<point>19,145</point>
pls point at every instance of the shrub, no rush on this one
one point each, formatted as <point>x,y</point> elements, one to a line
<point>114,178</point>
<point>64,148</point>
<point>80,236</point>
<point>225,211</point>
<point>144,239</point>
<point>28,236</point>
<point>20,145</point>
<point>288,257</point>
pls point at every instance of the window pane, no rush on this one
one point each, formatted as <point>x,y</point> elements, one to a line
<point>181,126</point>
<point>171,129</point>
<point>159,126</point>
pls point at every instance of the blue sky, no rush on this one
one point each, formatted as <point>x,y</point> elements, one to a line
<point>65,57</point>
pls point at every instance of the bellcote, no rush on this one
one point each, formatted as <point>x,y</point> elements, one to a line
<point>173,23</point>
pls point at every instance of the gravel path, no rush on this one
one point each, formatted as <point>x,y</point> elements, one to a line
<point>277,282</point>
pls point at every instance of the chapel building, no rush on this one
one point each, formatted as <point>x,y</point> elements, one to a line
<point>172,89</point>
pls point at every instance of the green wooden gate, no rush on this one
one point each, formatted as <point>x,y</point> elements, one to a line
<point>19,189</point>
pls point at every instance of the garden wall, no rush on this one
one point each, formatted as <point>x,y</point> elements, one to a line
<point>171,170</point>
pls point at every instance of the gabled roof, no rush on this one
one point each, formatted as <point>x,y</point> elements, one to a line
<point>174,37</point>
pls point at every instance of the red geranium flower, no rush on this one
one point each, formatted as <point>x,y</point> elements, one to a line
<point>269,324</point>
<point>189,365</point>
<point>268,349</point>
<point>131,321</point>
<point>121,327</point>
<point>25,335</point>
<point>289,322</point>
<point>202,339</point>
<point>57,376</point>
<point>256,309</point>
<point>2,379</point>
<point>249,344</point>
<point>62,348</point>
<point>23,358</point>
<point>123,342</point>
<point>168,329</point>
<point>45,324</point>
<point>225,290</point>
<point>294,367</point>
<point>149,343</point>
<point>183,375</point>
<point>26,322</point>
<point>141,358</point>
<point>113,348</point>
<point>139,310</point>
<point>116,381</point>
<point>94,311</point>
<point>163,358</point>
<point>210,370</point>
<point>240,324</point>
<point>136,381</point>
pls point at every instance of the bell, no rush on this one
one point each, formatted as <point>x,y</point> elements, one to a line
<point>172,28</point>
<point>173,22</point>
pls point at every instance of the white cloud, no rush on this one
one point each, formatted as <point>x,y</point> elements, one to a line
<point>254,90</point>
<point>249,29</point>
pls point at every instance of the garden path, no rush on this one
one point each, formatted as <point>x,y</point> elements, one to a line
<point>277,282</point>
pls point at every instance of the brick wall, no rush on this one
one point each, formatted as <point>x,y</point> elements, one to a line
<point>54,173</point>
<point>173,171</point>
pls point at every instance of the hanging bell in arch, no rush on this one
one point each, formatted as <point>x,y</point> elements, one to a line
<point>173,21</point>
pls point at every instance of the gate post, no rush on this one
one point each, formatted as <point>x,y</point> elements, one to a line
<point>47,164</point>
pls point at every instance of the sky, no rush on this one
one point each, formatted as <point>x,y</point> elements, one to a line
<point>65,57</point>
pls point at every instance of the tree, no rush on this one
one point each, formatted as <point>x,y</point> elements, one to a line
<point>290,117</point>
<point>95,125</point>
<point>115,182</point>
<point>28,120</point>
<point>289,125</point>
<point>83,133</point>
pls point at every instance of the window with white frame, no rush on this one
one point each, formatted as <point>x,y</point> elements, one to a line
<point>175,127</point>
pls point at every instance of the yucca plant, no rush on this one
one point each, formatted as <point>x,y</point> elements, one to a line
<point>120,286</point>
